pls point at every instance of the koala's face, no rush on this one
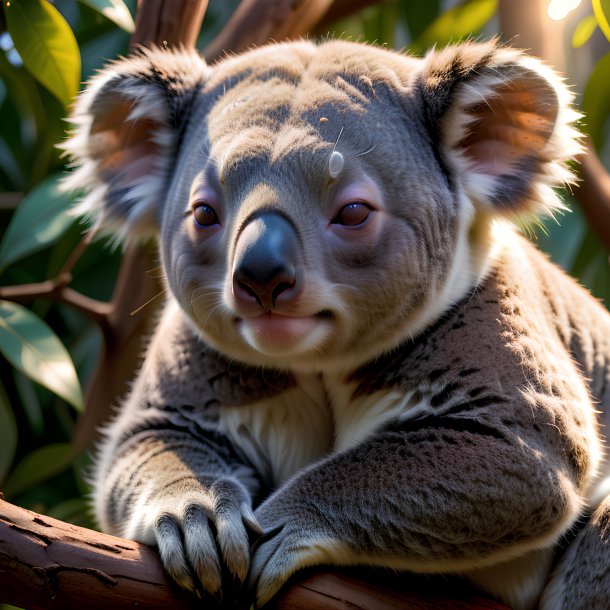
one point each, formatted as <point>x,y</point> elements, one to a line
<point>318,205</point>
<point>309,223</point>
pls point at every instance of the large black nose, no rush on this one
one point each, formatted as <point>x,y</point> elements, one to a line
<point>267,261</point>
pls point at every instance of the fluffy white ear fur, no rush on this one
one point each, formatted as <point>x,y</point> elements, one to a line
<point>126,125</point>
<point>505,122</point>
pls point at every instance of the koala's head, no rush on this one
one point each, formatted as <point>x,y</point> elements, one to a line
<point>318,205</point>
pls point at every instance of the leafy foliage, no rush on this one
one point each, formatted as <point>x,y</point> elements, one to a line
<point>39,221</point>
<point>46,45</point>
<point>51,347</point>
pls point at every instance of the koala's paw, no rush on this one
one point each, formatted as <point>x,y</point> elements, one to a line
<point>280,553</point>
<point>203,534</point>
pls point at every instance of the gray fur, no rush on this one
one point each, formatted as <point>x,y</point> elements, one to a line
<point>419,388</point>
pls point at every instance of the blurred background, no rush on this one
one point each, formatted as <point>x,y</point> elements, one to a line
<point>56,316</point>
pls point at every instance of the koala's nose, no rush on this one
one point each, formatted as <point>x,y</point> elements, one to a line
<point>267,261</point>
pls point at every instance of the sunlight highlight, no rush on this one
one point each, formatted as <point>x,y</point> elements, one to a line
<point>560,9</point>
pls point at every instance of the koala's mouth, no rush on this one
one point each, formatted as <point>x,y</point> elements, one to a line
<point>280,335</point>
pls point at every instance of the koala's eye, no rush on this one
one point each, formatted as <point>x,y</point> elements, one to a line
<point>205,215</point>
<point>352,214</point>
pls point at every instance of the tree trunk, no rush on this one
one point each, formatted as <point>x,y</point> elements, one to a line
<point>46,564</point>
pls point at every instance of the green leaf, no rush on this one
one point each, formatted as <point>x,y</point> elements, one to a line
<point>419,15</point>
<point>115,10</point>
<point>46,44</point>
<point>465,19</point>
<point>596,101</point>
<point>601,10</point>
<point>8,435</point>
<point>31,122</point>
<point>37,467</point>
<point>584,30</point>
<point>30,402</point>
<point>38,222</point>
<point>32,347</point>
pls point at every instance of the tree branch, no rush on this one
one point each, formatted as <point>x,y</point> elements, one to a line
<point>57,289</point>
<point>593,193</point>
<point>255,22</point>
<point>170,23</point>
<point>46,564</point>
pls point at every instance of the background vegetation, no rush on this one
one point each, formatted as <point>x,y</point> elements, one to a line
<point>49,346</point>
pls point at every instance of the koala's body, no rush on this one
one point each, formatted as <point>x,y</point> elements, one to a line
<point>359,357</point>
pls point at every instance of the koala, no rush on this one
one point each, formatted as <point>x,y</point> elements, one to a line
<point>360,361</point>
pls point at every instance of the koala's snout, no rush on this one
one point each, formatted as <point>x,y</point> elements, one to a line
<point>267,265</point>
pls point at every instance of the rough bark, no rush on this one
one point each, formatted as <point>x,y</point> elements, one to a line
<point>255,22</point>
<point>46,564</point>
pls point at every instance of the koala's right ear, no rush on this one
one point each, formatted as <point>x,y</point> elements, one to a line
<point>127,125</point>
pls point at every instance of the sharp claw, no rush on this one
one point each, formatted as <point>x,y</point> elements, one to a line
<point>250,520</point>
<point>266,536</point>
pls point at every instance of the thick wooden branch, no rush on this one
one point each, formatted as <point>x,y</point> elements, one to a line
<point>170,23</point>
<point>46,564</point>
<point>255,22</point>
<point>593,193</point>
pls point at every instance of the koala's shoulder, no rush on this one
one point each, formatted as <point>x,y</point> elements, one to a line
<point>524,305</point>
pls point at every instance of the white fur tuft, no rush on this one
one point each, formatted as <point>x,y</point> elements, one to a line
<point>123,139</point>
<point>509,133</point>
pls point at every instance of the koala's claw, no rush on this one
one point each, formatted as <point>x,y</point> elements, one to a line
<point>199,541</point>
<point>174,557</point>
<point>275,558</point>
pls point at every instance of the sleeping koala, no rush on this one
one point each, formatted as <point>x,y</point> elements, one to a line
<point>359,357</point>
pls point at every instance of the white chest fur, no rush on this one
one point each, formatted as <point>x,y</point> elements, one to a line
<point>318,416</point>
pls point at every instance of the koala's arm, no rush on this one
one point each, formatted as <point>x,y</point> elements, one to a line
<point>491,457</point>
<point>164,474</point>
<point>439,494</point>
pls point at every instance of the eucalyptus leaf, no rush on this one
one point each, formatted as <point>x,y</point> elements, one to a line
<point>38,222</point>
<point>115,10</point>
<point>583,31</point>
<point>32,347</point>
<point>464,20</point>
<point>601,10</point>
<point>46,44</point>
<point>37,467</point>
<point>8,435</point>
<point>596,101</point>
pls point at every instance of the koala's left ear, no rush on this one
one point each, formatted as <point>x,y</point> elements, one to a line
<point>127,126</point>
<point>502,120</point>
